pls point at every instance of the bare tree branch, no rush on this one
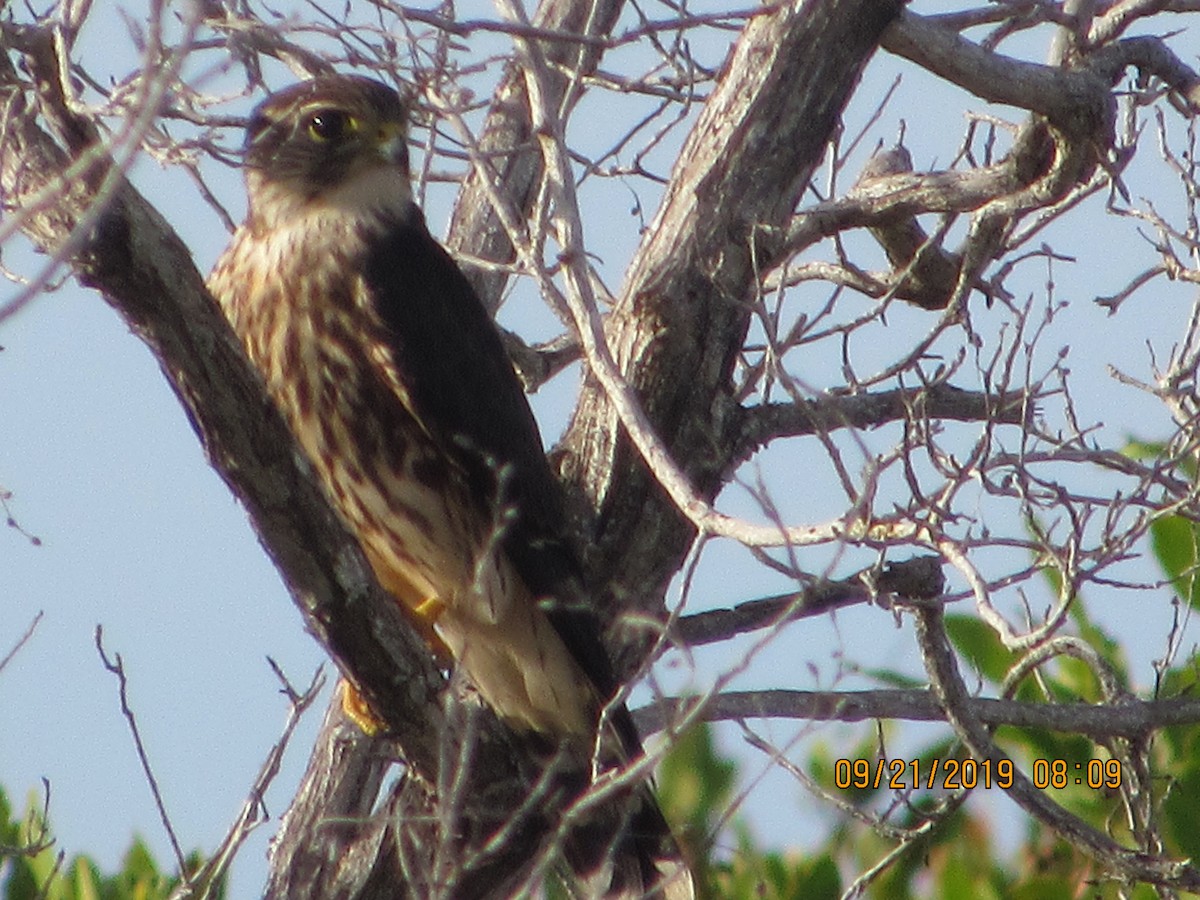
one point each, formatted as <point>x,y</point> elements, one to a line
<point>914,578</point>
<point>21,641</point>
<point>134,259</point>
<point>1130,719</point>
<point>508,142</point>
<point>329,844</point>
<point>760,425</point>
<point>679,309</point>
<point>116,666</point>
<point>211,876</point>
<point>1076,101</point>
<point>952,696</point>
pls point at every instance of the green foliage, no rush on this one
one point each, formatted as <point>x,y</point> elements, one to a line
<point>920,848</point>
<point>959,856</point>
<point>1174,540</point>
<point>32,869</point>
<point>979,644</point>
<point>695,784</point>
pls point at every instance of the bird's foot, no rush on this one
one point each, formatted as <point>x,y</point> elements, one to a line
<point>425,617</point>
<point>356,708</point>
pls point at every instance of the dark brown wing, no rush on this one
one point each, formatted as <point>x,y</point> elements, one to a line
<point>464,390</point>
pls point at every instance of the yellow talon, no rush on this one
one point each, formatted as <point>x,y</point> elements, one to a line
<point>356,708</point>
<point>425,615</point>
<point>429,610</point>
<point>423,609</point>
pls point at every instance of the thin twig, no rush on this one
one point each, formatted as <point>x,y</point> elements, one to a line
<point>954,699</point>
<point>22,640</point>
<point>117,667</point>
<point>254,812</point>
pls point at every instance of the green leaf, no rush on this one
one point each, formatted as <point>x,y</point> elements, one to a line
<point>1180,812</point>
<point>83,880</point>
<point>894,679</point>
<point>695,782</point>
<point>1151,450</point>
<point>1143,450</point>
<point>45,876</point>
<point>979,644</point>
<point>1174,540</point>
<point>1091,632</point>
<point>755,874</point>
<point>820,878</point>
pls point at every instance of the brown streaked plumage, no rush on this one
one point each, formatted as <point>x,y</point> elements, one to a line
<point>393,378</point>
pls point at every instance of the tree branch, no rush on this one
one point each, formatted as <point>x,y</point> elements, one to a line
<point>1077,101</point>
<point>134,259</point>
<point>1131,719</point>
<point>507,153</point>
<point>759,425</point>
<point>956,703</point>
<point>916,578</point>
<point>328,843</point>
<point>894,198</point>
<point>679,310</point>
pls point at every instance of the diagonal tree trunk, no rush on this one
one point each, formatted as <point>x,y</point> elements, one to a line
<point>683,307</point>
<point>676,313</point>
<point>752,151</point>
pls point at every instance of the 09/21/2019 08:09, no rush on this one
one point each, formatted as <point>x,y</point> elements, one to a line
<point>956,774</point>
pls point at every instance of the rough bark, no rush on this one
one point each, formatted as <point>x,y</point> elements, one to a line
<point>679,313</point>
<point>116,243</point>
<point>507,145</point>
<point>682,308</point>
<point>328,842</point>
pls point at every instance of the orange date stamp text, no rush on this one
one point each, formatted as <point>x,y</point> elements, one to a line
<point>968,774</point>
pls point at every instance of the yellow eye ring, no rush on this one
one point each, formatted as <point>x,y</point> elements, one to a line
<point>327,125</point>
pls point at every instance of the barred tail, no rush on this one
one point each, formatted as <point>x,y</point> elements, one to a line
<point>632,859</point>
<point>665,871</point>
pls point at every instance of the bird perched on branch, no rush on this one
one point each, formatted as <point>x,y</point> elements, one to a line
<point>393,379</point>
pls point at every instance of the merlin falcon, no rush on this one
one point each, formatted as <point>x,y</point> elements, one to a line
<point>392,376</point>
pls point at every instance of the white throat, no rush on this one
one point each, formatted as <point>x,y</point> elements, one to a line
<point>377,194</point>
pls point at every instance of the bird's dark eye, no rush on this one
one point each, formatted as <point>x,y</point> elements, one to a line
<point>329,125</point>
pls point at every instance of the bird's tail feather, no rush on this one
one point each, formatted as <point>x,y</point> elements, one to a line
<point>664,870</point>
<point>630,858</point>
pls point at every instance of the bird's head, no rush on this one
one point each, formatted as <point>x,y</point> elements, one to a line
<point>337,142</point>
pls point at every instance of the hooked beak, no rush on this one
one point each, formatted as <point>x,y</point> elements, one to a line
<point>392,143</point>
